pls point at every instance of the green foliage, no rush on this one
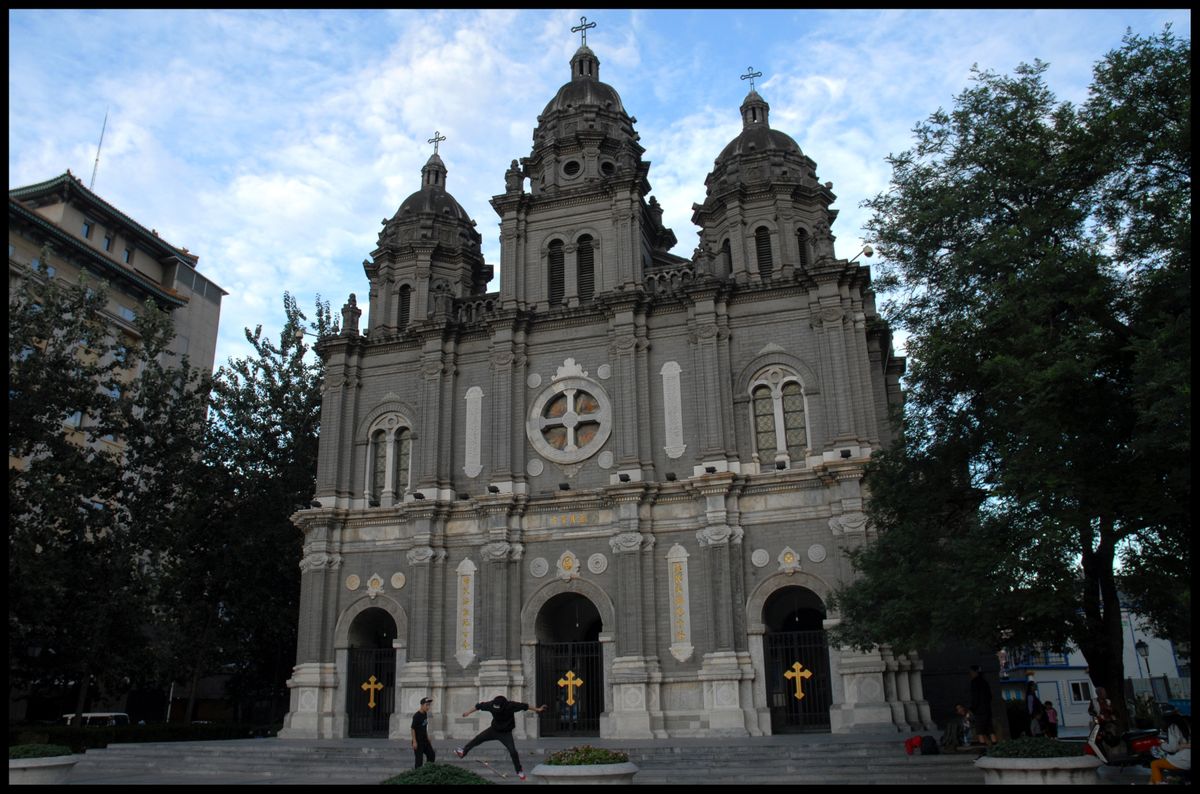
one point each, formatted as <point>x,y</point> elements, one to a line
<point>1039,255</point>
<point>1035,747</point>
<point>37,751</point>
<point>438,775</point>
<point>586,754</point>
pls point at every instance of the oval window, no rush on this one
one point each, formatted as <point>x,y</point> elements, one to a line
<point>607,168</point>
<point>571,168</point>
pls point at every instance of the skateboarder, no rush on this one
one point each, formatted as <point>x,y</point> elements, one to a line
<point>503,721</point>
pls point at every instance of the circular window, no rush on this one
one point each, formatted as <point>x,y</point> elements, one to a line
<point>572,168</point>
<point>570,421</point>
<point>607,168</point>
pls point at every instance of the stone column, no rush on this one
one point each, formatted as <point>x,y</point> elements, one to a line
<point>314,683</point>
<point>630,672</point>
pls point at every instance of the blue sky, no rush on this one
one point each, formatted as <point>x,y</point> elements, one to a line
<point>272,143</point>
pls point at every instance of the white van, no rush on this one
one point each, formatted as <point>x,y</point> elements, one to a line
<point>100,719</point>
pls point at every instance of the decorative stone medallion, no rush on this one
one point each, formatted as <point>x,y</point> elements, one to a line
<point>374,585</point>
<point>760,558</point>
<point>605,461</point>
<point>538,567</point>
<point>534,467</point>
<point>534,380</point>
<point>568,566</point>
<point>308,700</point>
<point>789,561</point>
<point>816,552</point>
<point>604,372</point>
<point>353,582</point>
<point>398,581</point>
<point>597,563</point>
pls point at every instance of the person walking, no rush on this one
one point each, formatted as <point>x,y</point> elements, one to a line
<point>422,748</point>
<point>981,707</point>
<point>503,713</point>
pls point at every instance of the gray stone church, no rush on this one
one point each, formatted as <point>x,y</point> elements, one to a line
<point>625,484</point>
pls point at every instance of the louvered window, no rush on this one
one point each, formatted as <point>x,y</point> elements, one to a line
<point>400,457</point>
<point>556,273</point>
<point>762,241</point>
<point>585,262</point>
<point>378,465</point>
<point>793,420</point>
<point>764,424</point>
<point>802,241</point>
<point>405,307</point>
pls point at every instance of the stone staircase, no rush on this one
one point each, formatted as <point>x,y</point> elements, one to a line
<point>758,761</point>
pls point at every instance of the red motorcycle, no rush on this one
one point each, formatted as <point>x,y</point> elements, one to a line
<point>1132,748</point>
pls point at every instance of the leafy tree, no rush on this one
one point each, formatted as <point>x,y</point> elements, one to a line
<point>232,582</point>
<point>1041,257</point>
<point>99,428</point>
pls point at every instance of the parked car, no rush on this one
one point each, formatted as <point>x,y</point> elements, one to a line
<point>99,719</point>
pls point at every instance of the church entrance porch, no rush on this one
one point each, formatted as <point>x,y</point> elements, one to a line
<point>570,675</point>
<point>371,685</point>
<point>799,685</point>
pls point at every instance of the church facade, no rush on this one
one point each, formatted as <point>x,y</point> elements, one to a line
<point>624,485</point>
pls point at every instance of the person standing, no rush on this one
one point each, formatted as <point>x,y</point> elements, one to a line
<point>422,748</point>
<point>1051,720</point>
<point>504,719</point>
<point>981,707</point>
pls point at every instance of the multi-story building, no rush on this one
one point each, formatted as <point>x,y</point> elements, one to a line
<point>625,484</point>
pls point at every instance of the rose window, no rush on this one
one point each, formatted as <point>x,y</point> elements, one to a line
<point>570,421</point>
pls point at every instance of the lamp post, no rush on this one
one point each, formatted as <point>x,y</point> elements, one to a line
<point>1143,650</point>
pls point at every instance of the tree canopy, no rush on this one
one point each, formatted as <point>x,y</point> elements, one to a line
<point>1039,257</point>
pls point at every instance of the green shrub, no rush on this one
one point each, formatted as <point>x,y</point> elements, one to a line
<point>1035,747</point>
<point>37,750</point>
<point>438,775</point>
<point>586,754</point>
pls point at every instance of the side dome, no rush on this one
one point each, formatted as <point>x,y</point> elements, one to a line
<point>431,213</point>
<point>756,136</point>
<point>432,197</point>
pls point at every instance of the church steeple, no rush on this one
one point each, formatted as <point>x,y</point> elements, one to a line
<point>754,111</point>
<point>433,173</point>
<point>585,65</point>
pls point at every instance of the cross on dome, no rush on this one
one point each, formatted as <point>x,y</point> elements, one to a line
<point>582,28</point>
<point>437,138</point>
<point>750,75</point>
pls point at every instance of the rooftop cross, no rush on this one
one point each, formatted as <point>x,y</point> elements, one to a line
<point>437,137</point>
<point>582,28</point>
<point>750,75</point>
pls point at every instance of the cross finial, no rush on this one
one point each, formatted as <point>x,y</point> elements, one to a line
<point>750,75</point>
<point>437,138</point>
<point>582,28</point>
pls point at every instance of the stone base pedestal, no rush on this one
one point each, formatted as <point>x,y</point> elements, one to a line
<point>313,713</point>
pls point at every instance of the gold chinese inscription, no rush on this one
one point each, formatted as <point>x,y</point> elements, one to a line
<point>797,673</point>
<point>466,613</point>
<point>677,591</point>
<point>569,520</point>
<point>570,682</point>
<point>371,686</point>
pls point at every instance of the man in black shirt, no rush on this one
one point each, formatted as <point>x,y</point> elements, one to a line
<point>420,734</point>
<point>503,713</point>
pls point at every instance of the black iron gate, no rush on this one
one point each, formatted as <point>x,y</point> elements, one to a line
<point>799,689</point>
<point>371,692</point>
<point>570,681</point>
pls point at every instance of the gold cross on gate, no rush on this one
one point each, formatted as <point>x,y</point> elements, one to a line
<point>798,672</point>
<point>570,682</point>
<point>372,686</point>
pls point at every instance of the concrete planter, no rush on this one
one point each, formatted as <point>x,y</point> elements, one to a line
<point>585,774</point>
<point>40,771</point>
<point>1077,769</point>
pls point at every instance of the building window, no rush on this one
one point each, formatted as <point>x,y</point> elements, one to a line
<point>87,229</point>
<point>802,244</point>
<point>762,243</point>
<point>127,256</point>
<point>1081,692</point>
<point>778,416</point>
<point>727,255</point>
<point>556,281</point>
<point>401,453</point>
<point>74,421</point>
<point>127,313</point>
<point>108,241</point>
<point>405,299</point>
<point>378,466</point>
<point>585,266</point>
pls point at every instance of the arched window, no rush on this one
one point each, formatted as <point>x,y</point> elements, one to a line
<point>802,243</point>
<point>778,416</point>
<point>378,466</point>
<point>556,281</point>
<point>727,255</point>
<point>585,267</point>
<point>762,243</point>
<point>405,306</point>
<point>401,451</point>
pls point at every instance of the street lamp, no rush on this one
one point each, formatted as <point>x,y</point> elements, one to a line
<point>867,251</point>
<point>1143,650</point>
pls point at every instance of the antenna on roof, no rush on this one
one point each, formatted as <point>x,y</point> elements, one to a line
<point>97,163</point>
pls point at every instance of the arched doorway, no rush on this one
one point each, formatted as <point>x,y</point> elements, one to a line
<point>371,684</point>
<point>799,690</point>
<point>570,676</point>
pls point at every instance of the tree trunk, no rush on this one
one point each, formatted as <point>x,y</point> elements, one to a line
<point>1103,641</point>
<point>81,702</point>
<point>191,706</point>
